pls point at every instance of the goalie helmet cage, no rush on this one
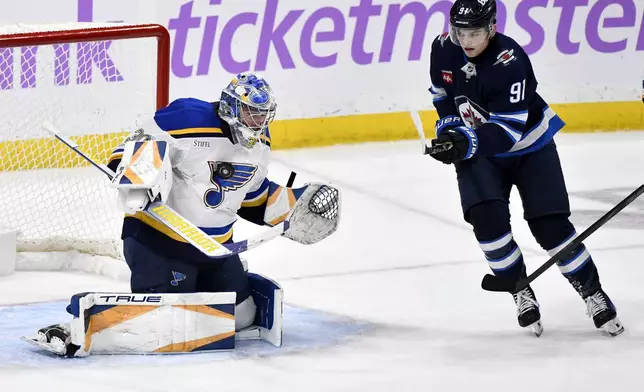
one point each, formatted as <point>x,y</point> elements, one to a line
<point>94,82</point>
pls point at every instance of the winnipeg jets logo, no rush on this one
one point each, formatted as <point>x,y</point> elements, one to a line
<point>469,69</point>
<point>470,116</point>
<point>505,57</point>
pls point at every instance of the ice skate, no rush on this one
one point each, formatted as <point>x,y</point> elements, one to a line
<point>54,339</point>
<point>528,313</point>
<point>602,310</point>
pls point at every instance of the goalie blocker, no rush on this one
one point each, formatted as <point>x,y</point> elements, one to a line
<point>115,323</point>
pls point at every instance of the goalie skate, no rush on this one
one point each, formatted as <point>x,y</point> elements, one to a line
<point>57,350</point>
<point>54,339</point>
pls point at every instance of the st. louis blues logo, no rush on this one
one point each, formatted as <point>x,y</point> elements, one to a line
<point>176,278</point>
<point>228,180</point>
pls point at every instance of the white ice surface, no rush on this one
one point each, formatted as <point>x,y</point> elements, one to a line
<point>404,262</point>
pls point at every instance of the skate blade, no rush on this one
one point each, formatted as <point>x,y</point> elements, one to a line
<point>536,328</point>
<point>43,346</point>
<point>614,327</point>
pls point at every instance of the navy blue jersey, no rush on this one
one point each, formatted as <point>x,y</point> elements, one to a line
<point>494,93</point>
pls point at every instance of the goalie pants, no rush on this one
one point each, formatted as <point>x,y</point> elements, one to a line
<point>485,184</point>
<point>155,273</point>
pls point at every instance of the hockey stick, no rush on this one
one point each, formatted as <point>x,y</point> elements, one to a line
<point>427,150</point>
<point>168,217</point>
<point>497,283</point>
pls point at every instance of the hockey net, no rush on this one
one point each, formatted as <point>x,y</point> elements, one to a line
<point>95,83</point>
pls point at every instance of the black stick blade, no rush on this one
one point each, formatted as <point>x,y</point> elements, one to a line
<point>498,284</point>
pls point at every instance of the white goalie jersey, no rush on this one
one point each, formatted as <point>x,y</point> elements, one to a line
<point>215,180</point>
<point>212,177</point>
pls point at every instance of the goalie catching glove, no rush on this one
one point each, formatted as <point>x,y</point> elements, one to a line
<point>143,175</point>
<point>313,211</point>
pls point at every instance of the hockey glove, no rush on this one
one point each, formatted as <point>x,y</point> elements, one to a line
<point>316,215</point>
<point>143,175</point>
<point>454,145</point>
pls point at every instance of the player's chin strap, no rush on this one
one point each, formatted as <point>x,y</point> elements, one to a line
<point>161,212</point>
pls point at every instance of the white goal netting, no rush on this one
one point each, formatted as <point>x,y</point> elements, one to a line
<point>94,92</point>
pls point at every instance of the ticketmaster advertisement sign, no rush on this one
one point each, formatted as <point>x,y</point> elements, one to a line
<point>351,70</point>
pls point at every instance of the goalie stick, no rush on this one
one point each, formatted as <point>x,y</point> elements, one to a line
<point>165,215</point>
<point>497,283</point>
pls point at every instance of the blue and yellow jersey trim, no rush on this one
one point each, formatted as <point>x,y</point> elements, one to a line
<point>196,132</point>
<point>257,197</point>
<point>190,117</point>
<point>219,234</point>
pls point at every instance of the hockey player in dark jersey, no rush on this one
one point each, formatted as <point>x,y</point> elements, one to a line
<point>498,132</point>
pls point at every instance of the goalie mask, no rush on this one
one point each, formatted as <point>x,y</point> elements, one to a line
<point>248,105</point>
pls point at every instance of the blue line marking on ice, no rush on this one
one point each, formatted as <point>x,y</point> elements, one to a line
<point>303,329</point>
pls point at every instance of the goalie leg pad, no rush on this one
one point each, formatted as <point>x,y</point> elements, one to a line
<point>114,323</point>
<point>269,299</point>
